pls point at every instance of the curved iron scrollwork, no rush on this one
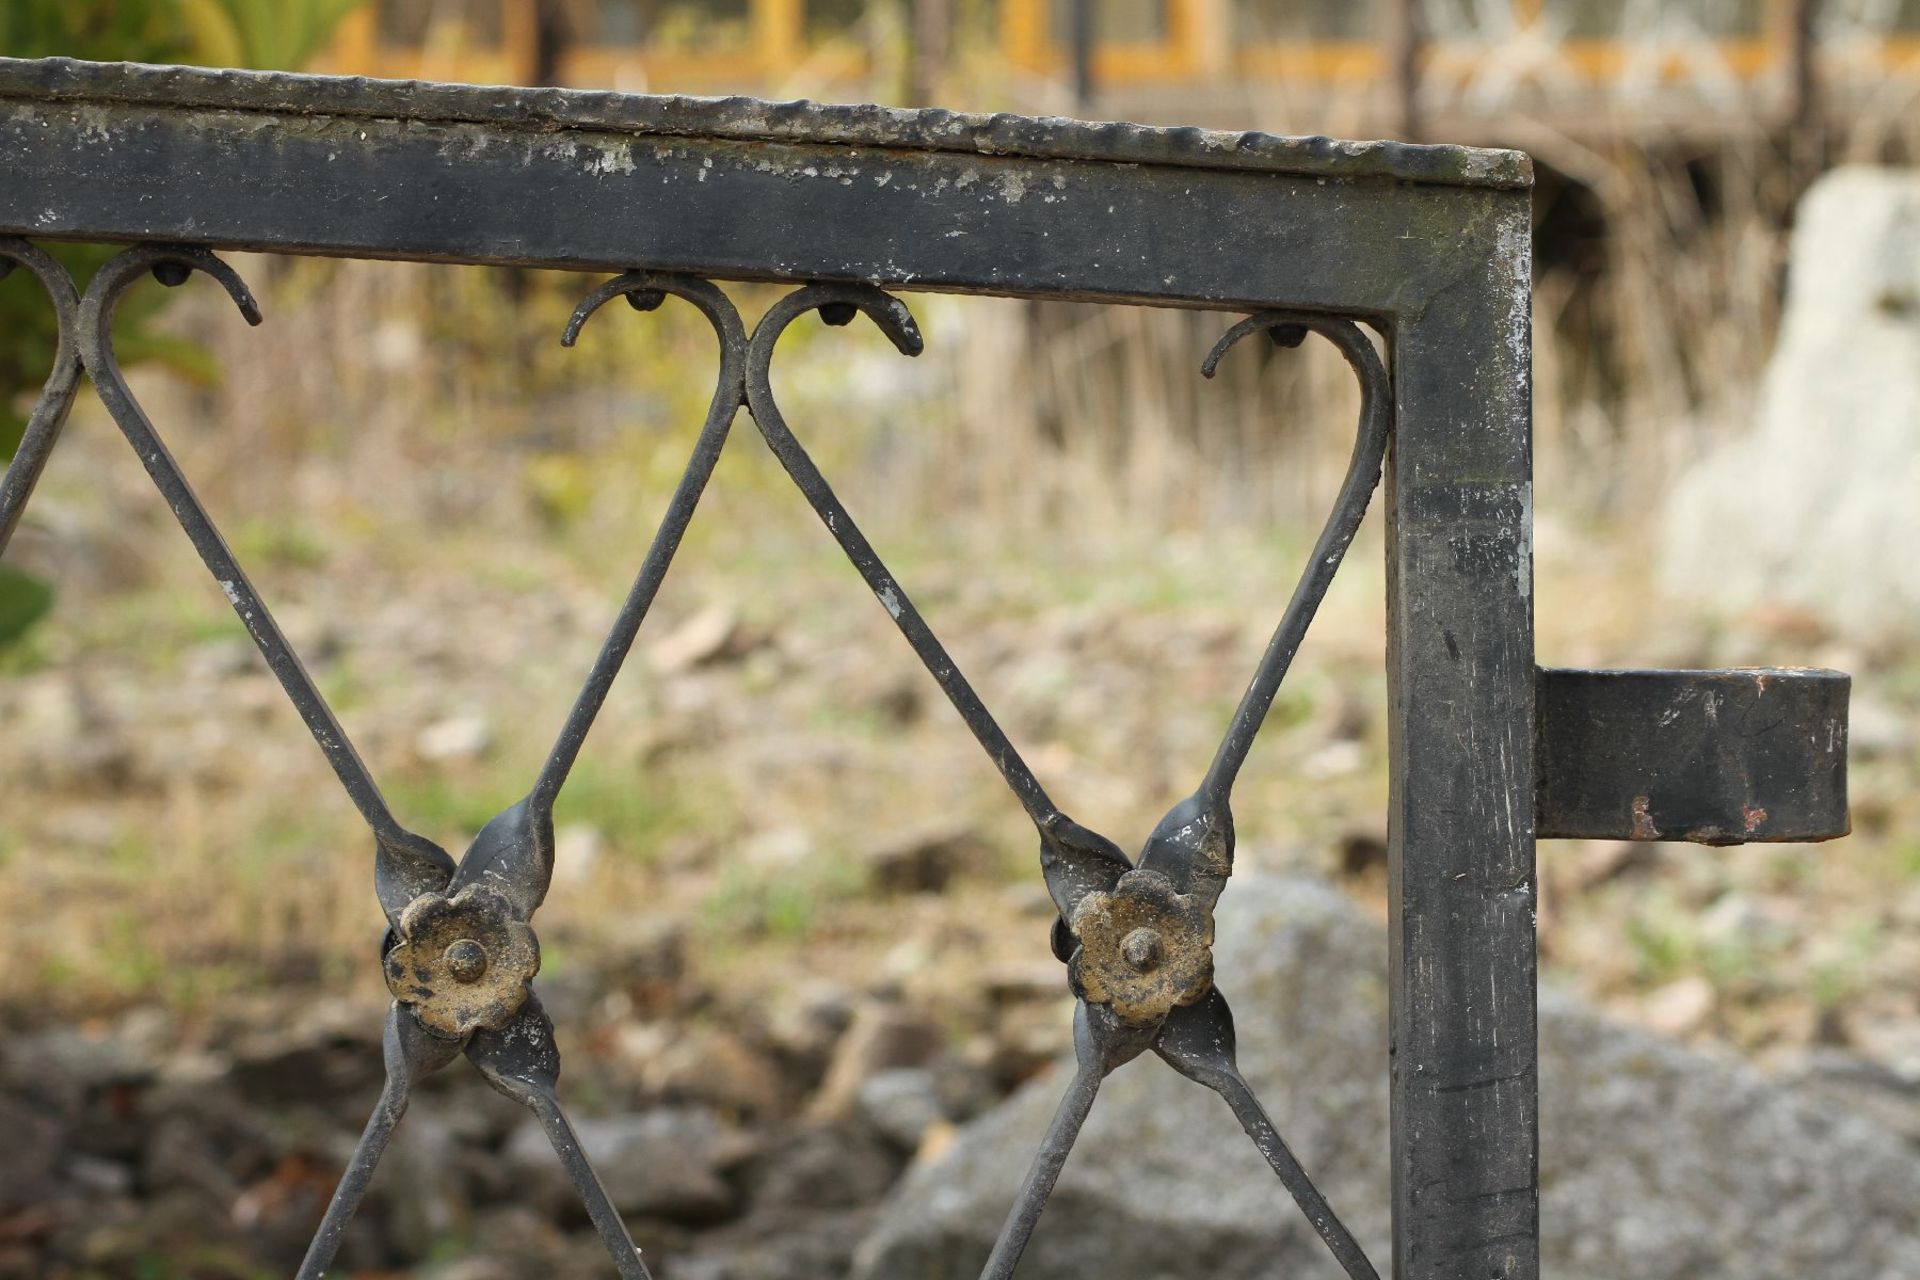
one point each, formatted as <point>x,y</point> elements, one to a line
<point>49,413</point>
<point>460,953</point>
<point>1136,935</point>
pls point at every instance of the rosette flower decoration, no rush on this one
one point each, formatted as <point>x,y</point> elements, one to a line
<point>1145,948</point>
<point>462,963</point>
<point>460,954</point>
<point>1136,935</point>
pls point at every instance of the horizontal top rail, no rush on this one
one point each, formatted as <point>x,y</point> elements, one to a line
<point>741,190</point>
<point>749,119</point>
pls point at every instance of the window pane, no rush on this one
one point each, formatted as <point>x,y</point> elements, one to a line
<point>829,18</point>
<point>674,24</point>
<point>1114,21</point>
<point>1642,19</point>
<point>1856,19</point>
<point>1272,20</point>
<point>411,23</point>
<point>1468,19</point>
<point>619,22</point>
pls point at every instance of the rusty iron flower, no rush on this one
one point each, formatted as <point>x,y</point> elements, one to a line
<point>1145,948</point>
<point>462,963</point>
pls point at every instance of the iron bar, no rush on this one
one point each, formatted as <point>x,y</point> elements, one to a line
<point>747,191</point>
<point>1137,939</point>
<point>50,409</point>
<point>408,864</point>
<point>459,956</point>
<point>644,291</point>
<point>838,304</point>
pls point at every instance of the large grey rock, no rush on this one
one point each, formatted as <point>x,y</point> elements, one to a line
<point>668,1163</point>
<point>1816,506</point>
<point>1658,1163</point>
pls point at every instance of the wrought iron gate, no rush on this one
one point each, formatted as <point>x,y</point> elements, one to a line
<point>1425,246</point>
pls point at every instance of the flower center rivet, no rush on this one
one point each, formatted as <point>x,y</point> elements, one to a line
<point>1142,949</point>
<point>466,960</point>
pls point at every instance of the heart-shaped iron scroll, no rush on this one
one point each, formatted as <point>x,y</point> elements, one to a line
<point>56,393</point>
<point>1136,936</point>
<point>460,953</point>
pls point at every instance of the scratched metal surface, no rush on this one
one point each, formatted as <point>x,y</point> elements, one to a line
<point>752,120</point>
<point>1709,757</point>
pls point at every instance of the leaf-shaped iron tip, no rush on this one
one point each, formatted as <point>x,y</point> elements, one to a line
<point>512,856</point>
<point>523,1062</point>
<point>1193,846</point>
<point>411,1055</point>
<point>406,865</point>
<point>1076,861</point>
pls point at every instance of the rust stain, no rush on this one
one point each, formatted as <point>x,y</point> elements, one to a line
<point>1643,828</point>
<point>1753,815</point>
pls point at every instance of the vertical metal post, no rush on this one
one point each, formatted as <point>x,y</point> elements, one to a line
<point>1406,40</point>
<point>779,35</point>
<point>1207,35</point>
<point>1808,143</point>
<point>1461,809</point>
<point>1803,48</point>
<point>929,36</point>
<point>552,41</point>
<point>1083,38</point>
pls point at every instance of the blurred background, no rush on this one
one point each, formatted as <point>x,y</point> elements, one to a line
<point>780,845</point>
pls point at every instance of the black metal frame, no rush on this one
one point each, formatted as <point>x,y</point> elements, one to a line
<point>1427,245</point>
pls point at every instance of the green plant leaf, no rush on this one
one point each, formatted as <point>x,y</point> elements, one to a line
<point>281,34</point>
<point>181,357</point>
<point>215,33</point>
<point>12,427</point>
<point>24,600</point>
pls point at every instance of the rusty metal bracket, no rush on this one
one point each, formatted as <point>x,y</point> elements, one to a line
<point>1740,756</point>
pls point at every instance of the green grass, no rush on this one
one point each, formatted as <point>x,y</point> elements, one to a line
<point>1841,969</point>
<point>25,655</point>
<point>1664,940</point>
<point>752,902</point>
<point>281,543</point>
<point>168,621</point>
<point>293,835</point>
<point>448,805</point>
<point>637,806</point>
<point>127,959</point>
